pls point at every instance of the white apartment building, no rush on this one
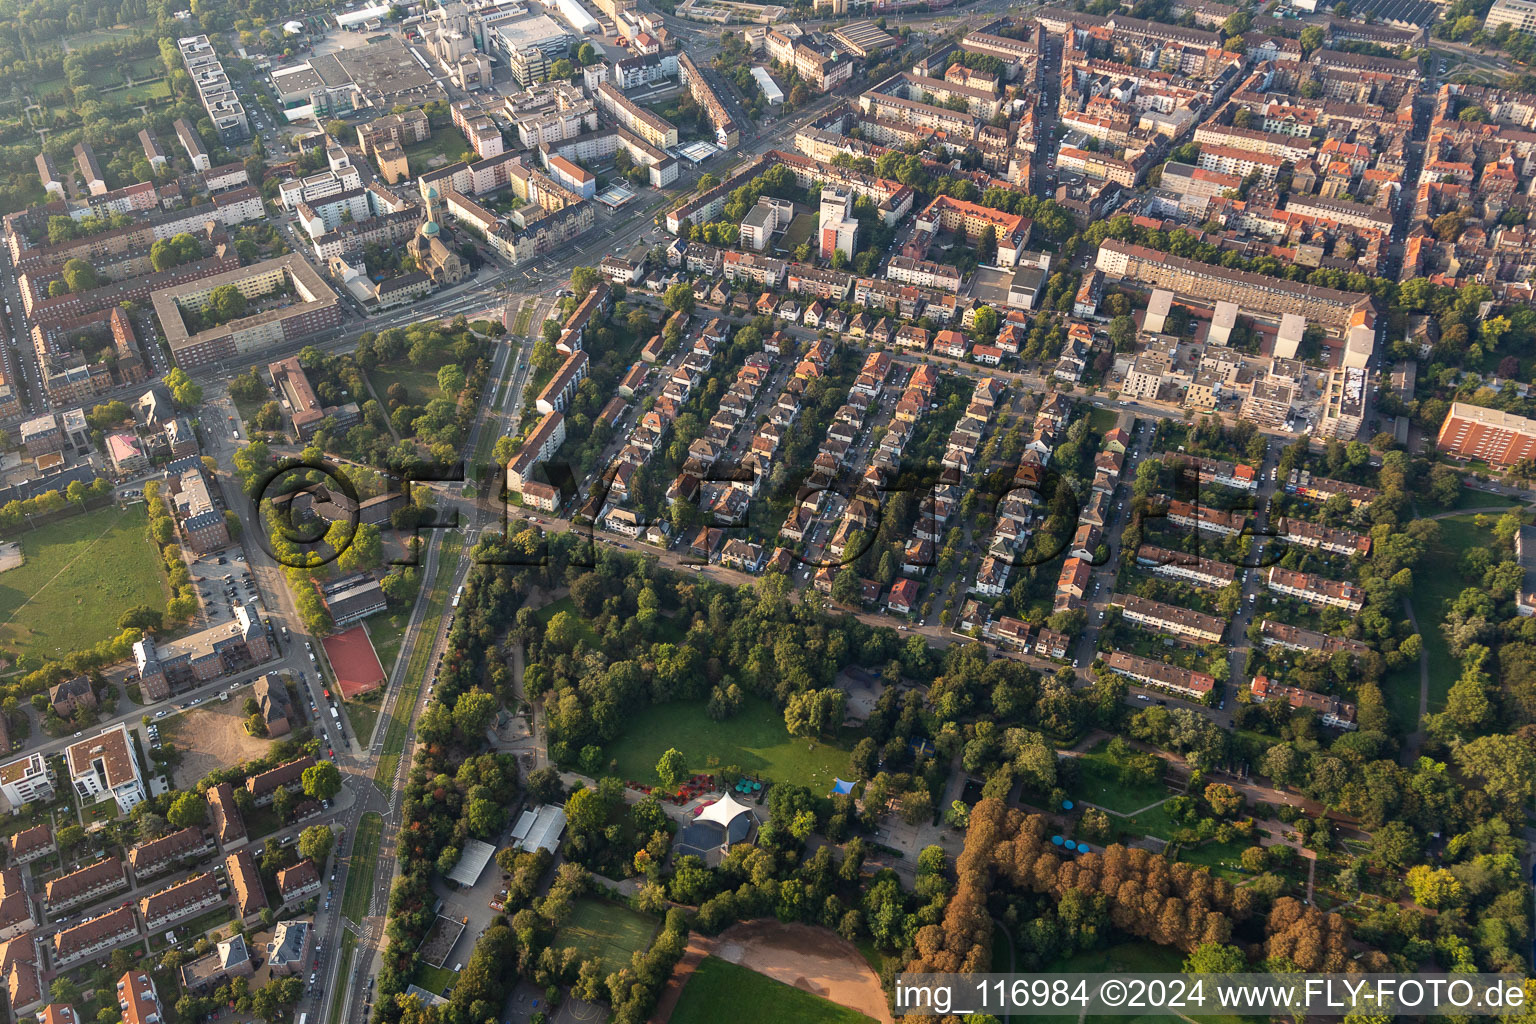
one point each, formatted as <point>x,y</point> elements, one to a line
<point>104,767</point>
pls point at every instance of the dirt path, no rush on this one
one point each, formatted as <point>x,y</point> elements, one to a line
<point>814,960</point>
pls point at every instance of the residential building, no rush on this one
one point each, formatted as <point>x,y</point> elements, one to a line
<point>1280,634</point>
<point>1323,538</point>
<point>298,882</point>
<point>1166,618</point>
<point>24,780</point>
<point>16,913</point>
<point>276,708</point>
<point>1488,435</point>
<point>1337,714</point>
<point>32,843</point>
<point>85,885</point>
<point>1316,590</point>
<point>1179,565</point>
<point>137,999</point>
<point>158,856</point>
<point>540,446</point>
<point>263,786</point>
<point>230,959</point>
<point>104,767</point>
<point>202,656</point>
<point>289,949</point>
<point>94,936</point>
<point>171,904</point>
<point>228,823</point>
<point>1181,681</point>
<point>245,884</point>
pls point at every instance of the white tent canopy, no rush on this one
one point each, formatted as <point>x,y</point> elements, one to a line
<point>723,811</point>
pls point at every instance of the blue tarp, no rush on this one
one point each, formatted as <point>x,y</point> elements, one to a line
<point>840,788</point>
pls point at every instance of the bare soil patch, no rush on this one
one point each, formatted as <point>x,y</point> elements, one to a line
<point>211,736</point>
<point>812,959</point>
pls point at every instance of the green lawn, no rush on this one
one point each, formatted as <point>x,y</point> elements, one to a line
<point>348,948</point>
<point>1472,498</point>
<point>399,723</point>
<point>1102,421</point>
<point>1099,783</point>
<point>362,714</point>
<point>584,629</point>
<point>754,740</point>
<point>1435,587</point>
<point>420,382</point>
<point>606,931</point>
<point>448,145</point>
<point>358,894</point>
<point>386,630</point>
<point>80,574</point>
<point>1217,857</point>
<point>435,979</point>
<point>719,990</point>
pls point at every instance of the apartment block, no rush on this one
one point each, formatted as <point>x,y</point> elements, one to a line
<point>105,768</point>
<point>1338,714</point>
<point>1179,565</point>
<point>1316,590</point>
<point>161,855</point>
<point>1488,435</point>
<point>1295,638</point>
<point>1208,520</point>
<point>26,779</point>
<point>540,446</point>
<point>1323,538</point>
<point>1181,681</point>
<point>263,786</point>
<point>97,935</point>
<point>85,885</point>
<point>169,905</point>
<point>1170,619</point>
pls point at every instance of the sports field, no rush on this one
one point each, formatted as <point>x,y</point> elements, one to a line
<point>356,665</point>
<point>719,990</point>
<point>607,931</point>
<point>80,574</point>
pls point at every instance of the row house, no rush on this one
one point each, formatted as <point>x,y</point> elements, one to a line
<point>1209,520</point>
<point>228,822</point>
<point>1335,713</point>
<point>1216,471</point>
<point>1319,489</point>
<point>1274,633</point>
<point>94,936</point>
<point>1316,590</point>
<point>1181,681</point>
<point>1179,565</point>
<point>1171,619</point>
<point>17,915</point>
<point>160,855</point>
<point>1323,538</point>
<point>754,268</point>
<point>88,884</point>
<point>246,890</point>
<point>32,844</point>
<point>912,337</point>
<point>193,896</point>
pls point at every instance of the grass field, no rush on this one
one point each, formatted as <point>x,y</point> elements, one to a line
<point>1134,956</point>
<point>398,726</point>
<point>1102,421</point>
<point>450,146</point>
<point>1099,783</point>
<point>343,971</point>
<point>435,979</point>
<point>565,604</point>
<point>363,715</point>
<point>607,931</point>
<point>1435,587</point>
<point>719,990</point>
<point>1217,856</point>
<point>80,574</point>
<point>420,382</point>
<point>365,854</point>
<point>754,740</point>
